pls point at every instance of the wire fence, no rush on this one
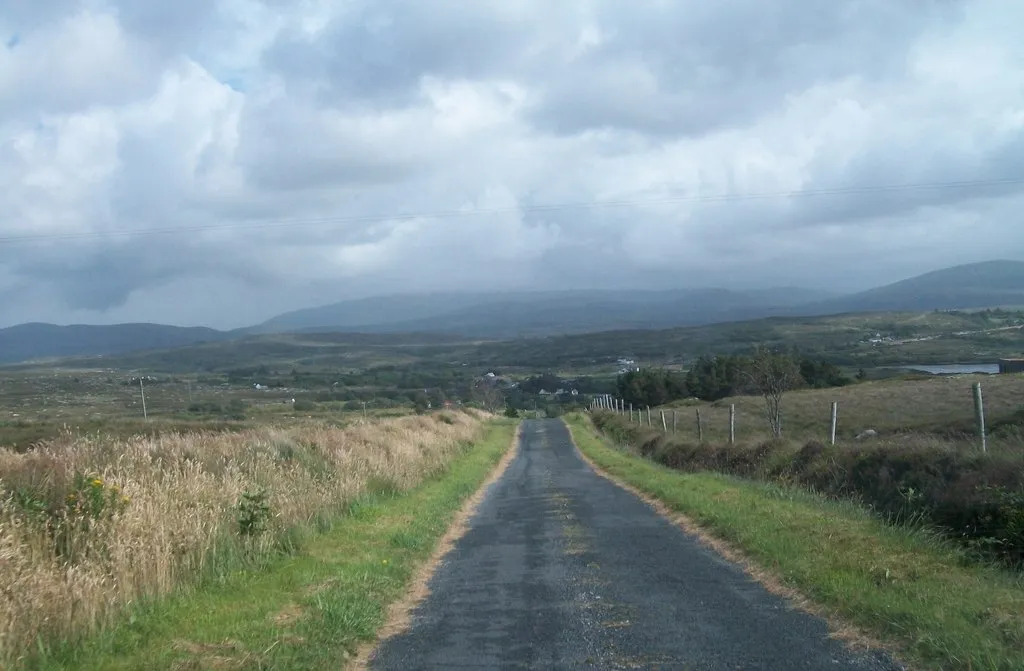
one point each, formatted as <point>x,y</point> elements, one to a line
<point>725,423</point>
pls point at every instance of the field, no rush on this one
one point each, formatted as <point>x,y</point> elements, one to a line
<point>44,403</point>
<point>934,409</point>
<point>214,385</point>
<point>92,524</point>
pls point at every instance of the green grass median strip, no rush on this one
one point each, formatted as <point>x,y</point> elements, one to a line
<point>310,611</point>
<point>902,586</point>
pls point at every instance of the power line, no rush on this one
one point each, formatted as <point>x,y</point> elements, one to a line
<point>553,207</point>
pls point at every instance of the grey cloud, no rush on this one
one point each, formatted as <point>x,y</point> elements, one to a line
<point>376,52</point>
<point>169,24</point>
<point>105,277</point>
<point>703,66</point>
<point>25,15</point>
<point>901,180</point>
<point>98,281</point>
<point>334,133</point>
<point>288,148</point>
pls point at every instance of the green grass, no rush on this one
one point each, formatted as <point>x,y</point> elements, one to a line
<point>903,586</point>
<point>308,611</point>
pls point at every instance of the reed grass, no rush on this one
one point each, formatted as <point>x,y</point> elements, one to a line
<point>90,525</point>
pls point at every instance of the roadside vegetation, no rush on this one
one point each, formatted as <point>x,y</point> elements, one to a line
<point>320,608</point>
<point>91,525</point>
<point>921,463</point>
<point>903,585</point>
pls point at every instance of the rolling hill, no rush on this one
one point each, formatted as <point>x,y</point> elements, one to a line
<point>543,313</point>
<point>925,337</point>
<point>988,284</point>
<point>375,313</point>
<point>511,315</point>
<point>976,285</point>
<point>42,341</point>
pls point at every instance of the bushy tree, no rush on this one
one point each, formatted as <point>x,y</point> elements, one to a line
<point>712,378</point>
<point>821,374</point>
<point>650,386</point>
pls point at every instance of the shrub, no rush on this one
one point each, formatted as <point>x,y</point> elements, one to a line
<point>207,408</point>
<point>236,409</point>
<point>253,512</point>
<point>976,499</point>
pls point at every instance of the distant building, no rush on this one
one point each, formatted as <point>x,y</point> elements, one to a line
<point>1011,365</point>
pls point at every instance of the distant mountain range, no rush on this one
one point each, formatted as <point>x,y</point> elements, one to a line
<point>44,341</point>
<point>511,315</point>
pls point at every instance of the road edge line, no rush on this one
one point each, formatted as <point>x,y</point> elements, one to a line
<point>399,615</point>
<point>854,637</point>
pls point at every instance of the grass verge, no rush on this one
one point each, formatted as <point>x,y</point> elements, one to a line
<point>904,587</point>
<point>309,611</point>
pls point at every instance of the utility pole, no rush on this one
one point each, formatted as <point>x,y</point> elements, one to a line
<point>979,414</point>
<point>142,389</point>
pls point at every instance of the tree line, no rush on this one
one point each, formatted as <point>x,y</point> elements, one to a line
<point>711,378</point>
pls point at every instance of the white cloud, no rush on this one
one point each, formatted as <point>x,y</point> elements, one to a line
<point>310,150</point>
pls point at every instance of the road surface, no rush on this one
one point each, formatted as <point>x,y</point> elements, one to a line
<point>561,569</point>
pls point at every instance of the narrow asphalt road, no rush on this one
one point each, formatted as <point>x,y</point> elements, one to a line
<point>561,569</point>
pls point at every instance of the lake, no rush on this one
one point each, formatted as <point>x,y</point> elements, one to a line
<point>954,368</point>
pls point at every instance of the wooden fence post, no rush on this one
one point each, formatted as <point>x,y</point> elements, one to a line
<point>630,413</point>
<point>732,424</point>
<point>979,415</point>
<point>664,426</point>
<point>700,428</point>
<point>650,422</point>
<point>673,421</point>
<point>835,416</point>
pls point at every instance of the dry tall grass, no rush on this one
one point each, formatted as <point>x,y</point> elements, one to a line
<point>88,526</point>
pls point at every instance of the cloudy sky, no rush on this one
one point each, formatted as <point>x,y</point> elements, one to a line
<point>219,161</point>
